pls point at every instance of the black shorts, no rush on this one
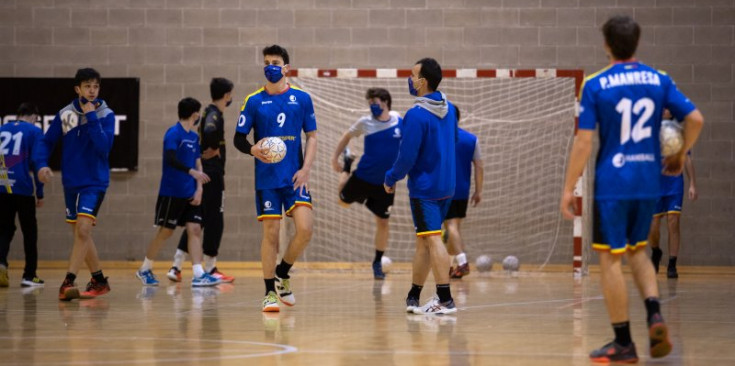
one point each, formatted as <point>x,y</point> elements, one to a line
<point>174,211</point>
<point>375,198</point>
<point>457,210</point>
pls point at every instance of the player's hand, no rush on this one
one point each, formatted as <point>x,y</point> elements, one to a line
<point>87,107</point>
<point>209,153</point>
<point>335,165</point>
<point>693,194</point>
<point>568,201</point>
<point>259,153</point>
<point>200,176</point>
<point>301,181</point>
<point>197,199</point>
<point>674,164</point>
<point>39,202</point>
<point>476,198</point>
<point>45,174</point>
<point>389,189</point>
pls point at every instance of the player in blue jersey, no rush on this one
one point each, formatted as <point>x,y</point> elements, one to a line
<point>382,132</point>
<point>280,110</point>
<point>468,156</point>
<point>625,102</point>
<point>87,128</point>
<point>669,206</point>
<point>427,155</point>
<point>19,150</point>
<point>180,195</point>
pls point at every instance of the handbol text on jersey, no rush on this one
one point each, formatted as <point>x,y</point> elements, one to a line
<point>620,159</point>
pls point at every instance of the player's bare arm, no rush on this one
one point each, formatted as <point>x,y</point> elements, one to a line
<point>197,199</point>
<point>689,170</point>
<point>581,151</point>
<point>301,178</point>
<point>479,181</point>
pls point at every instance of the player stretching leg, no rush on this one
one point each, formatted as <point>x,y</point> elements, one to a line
<point>280,110</point>
<point>626,101</point>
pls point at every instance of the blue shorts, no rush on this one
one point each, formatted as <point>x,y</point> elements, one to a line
<point>268,202</point>
<point>83,202</point>
<point>620,225</point>
<point>428,215</point>
<point>669,205</point>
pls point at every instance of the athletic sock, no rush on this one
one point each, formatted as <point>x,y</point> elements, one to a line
<point>622,333</point>
<point>99,277</point>
<point>443,292</point>
<point>378,256</point>
<point>282,270</point>
<point>415,292</point>
<point>198,270</point>
<point>209,263</point>
<point>461,259</point>
<point>270,285</point>
<point>70,277</point>
<point>652,307</point>
<point>147,265</point>
<point>179,258</point>
<point>672,262</point>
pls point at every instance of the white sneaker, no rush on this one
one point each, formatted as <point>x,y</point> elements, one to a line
<point>174,274</point>
<point>421,309</point>
<point>438,308</point>
<point>283,289</point>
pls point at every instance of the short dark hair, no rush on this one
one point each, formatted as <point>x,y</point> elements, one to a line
<point>86,74</point>
<point>27,109</point>
<point>188,106</point>
<point>276,50</point>
<point>218,87</point>
<point>381,94</point>
<point>456,111</point>
<point>431,71</point>
<point>621,35</point>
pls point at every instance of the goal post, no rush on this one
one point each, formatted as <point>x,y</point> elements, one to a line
<point>525,122</point>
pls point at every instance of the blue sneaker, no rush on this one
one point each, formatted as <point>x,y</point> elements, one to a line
<point>205,280</point>
<point>147,278</point>
<point>378,271</point>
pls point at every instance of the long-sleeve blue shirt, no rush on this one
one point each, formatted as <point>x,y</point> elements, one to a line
<point>427,151</point>
<point>86,145</point>
<point>20,146</point>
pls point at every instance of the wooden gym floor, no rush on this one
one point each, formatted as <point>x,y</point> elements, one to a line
<point>344,317</point>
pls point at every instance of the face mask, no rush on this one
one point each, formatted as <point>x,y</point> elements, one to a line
<point>273,73</point>
<point>376,110</point>
<point>85,101</point>
<point>228,103</point>
<point>411,89</point>
<point>197,120</point>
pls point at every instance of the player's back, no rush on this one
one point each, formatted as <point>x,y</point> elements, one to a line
<point>18,140</point>
<point>466,145</point>
<point>627,100</point>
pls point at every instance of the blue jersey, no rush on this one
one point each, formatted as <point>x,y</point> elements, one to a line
<point>20,146</point>
<point>627,101</point>
<point>282,115</point>
<point>467,152</point>
<point>87,141</point>
<point>427,150</point>
<point>174,182</point>
<point>382,139</point>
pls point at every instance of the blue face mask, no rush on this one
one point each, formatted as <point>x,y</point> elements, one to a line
<point>273,73</point>
<point>376,110</point>
<point>85,101</point>
<point>411,89</point>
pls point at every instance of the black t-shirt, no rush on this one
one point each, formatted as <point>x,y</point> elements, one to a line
<point>212,135</point>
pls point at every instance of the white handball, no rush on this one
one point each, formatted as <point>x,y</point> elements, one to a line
<point>671,138</point>
<point>484,263</point>
<point>386,264</point>
<point>274,148</point>
<point>511,263</point>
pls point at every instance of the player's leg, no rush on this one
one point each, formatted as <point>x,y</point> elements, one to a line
<point>674,240</point>
<point>174,273</point>
<point>379,203</point>
<point>194,230</point>
<point>344,177</point>
<point>213,208</point>
<point>304,225</point>
<point>455,246</point>
<point>168,215</point>
<point>7,230</point>
<point>268,206</point>
<point>654,238</point>
<point>382,232</point>
<point>420,268</point>
<point>145,272</point>
<point>29,227</point>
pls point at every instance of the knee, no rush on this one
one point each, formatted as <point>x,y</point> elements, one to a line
<point>382,224</point>
<point>194,231</point>
<point>83,230</point>
<point>673,221</point>
<point>270,233</point>
<point>304,232</point>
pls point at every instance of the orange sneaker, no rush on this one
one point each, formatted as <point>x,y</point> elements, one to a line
<point>460,271</point>
<point>95,289</point>
<point>221,276</point>
<point>658,334</point>
<point>68,291</point>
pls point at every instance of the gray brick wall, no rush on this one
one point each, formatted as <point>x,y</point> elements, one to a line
<point>176,46</point>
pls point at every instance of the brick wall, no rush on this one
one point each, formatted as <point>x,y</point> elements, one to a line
<point>176,46</point>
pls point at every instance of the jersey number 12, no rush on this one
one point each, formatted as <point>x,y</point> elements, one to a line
<point>644,109</point>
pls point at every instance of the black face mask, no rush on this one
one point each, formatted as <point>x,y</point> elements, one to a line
<point>84,100</point>
<point>228,103</point>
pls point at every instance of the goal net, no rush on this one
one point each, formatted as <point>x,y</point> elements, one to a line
<point>525,127</point>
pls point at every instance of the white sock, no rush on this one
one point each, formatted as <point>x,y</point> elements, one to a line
<point>179,258</point>
<point>147,265</point>
<point>198,270</point>
<point>209,263</point>
<point>461,259</point>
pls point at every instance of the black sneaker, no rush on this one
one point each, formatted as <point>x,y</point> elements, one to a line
<point>613,352</point>
<point>672,273</point>
<point>378,271</point>
<point>658,335</point>
<point>411,304</point>
<point>656,258</point>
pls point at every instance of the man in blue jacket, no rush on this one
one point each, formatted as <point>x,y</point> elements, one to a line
<point>427,155</point>
<point>87,128</point>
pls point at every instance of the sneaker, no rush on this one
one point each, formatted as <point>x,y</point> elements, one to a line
<point>378,271</point>
<point>68,291</point>
<point>658,335</point>
<point>31,282</point>
<point>283,290</point>
<point>95,289</point>
<point>205,279</point>
<point>174,274</point>
<point>270,303</point>
<point>460,271</point>
<point>347,156</point>
<point>672,273</point>
<point>147,278</point>
<point>411,304</point>
<point>613,352</point>
<point>4,281</point>
<point>438,308</point>
<point>432,301</point>
<point>221,276</point>
<point>656,254</point>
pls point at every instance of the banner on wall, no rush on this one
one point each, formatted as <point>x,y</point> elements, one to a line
<point>51,94</point>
